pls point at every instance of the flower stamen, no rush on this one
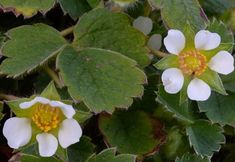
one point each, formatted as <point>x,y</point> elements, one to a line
<point>192,62</point>
<point>46,117</point>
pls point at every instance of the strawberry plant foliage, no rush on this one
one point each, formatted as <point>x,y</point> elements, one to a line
<point>205,137</point>
<point>191,158</point>
<point>103,79</point>
<point>124,128</point>
<point>29,47</point>
<point>94,30</point>
<point>117,81</point>
<point>27,7</point>
<point>109,155</point>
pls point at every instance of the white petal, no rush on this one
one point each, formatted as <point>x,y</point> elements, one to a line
<point>174,41</point>
<point>155,42</point>
<point>198,90</point>
<point>69,132</point>
<point>222,62</point>
<point>47,144</point>
<point>173,80</point>
<point>68,110</point>
<point>17,131</point>
<point>41,100</point>
<point>205,40</point>
<point>144,24</point>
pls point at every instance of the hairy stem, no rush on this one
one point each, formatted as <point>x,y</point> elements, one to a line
<point>67,31</point>
<point>8,97</point>
<point>158,53</point>
<point>54,76</point>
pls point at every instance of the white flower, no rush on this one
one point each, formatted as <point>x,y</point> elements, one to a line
<point>192,62</point>
<point>47,116</point>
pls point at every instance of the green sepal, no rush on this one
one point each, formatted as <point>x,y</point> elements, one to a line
<point>50,92</point>
<point>213,80</point>
<point>183,92</point>
<point>169,61</point>
<point>14,106</point>
<point>189,34</point>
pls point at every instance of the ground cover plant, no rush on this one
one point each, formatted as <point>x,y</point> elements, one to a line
<point>117,81</point>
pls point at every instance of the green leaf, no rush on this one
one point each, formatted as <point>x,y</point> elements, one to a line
<point>75,8</point>
<point>132,132</point>
<point>29,46</point>
<point>80,151</point>
<point>102,79</point>
<point>103,29</point>
<point>185,12</point>
<point>32,158</point>
<point>205,137</point>
<point>219,108</point>
<point>82,116</point>
<point>227,39</point>
<point>213,80</point>
<point>27,7</point>
<point>229,81</point>
<point>108,155</point>
<point>51,92</point>
<point>169,61</point>
<point>172,104</point>
<point>176,144</point>
<point>191,158</point>
<point>218,6</point>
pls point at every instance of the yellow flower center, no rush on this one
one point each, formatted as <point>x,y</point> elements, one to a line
<point>46,117</point>
<point>192,62</point>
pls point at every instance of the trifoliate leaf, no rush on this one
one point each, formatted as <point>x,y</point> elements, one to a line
<point>103,29</point>
<point>191,158</point>
<point>132,132</point>
<point>75,8</point>
<point>205,137</point>
<point>219,108</point>
<point>27,7</point>
<point>80,151</point>
<point>108,155</point>
<point>185,12</point>
<point>172,104</point>
<point>29,46</point>
<point>102,79</point>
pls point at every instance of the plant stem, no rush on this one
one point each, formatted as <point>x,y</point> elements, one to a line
<point>67,31</point>
<point>159,53</point>
<point>54,76</point>
<point>8,97</point>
